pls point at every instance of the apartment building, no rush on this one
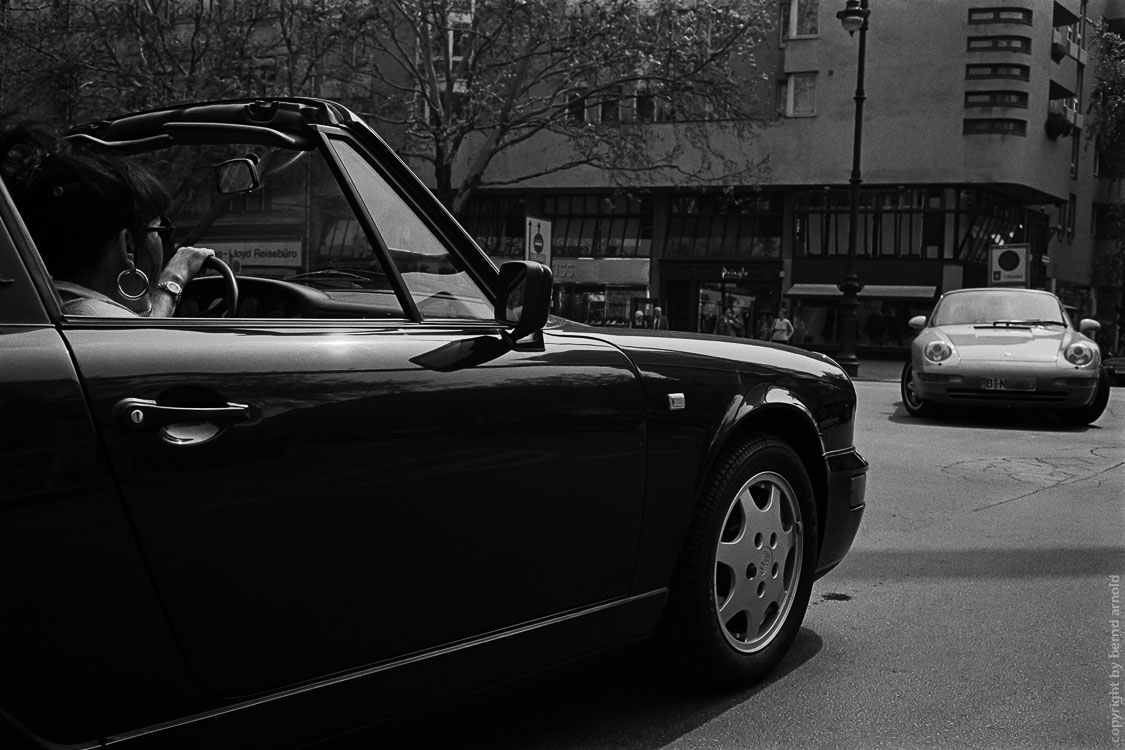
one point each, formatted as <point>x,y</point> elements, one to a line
<point>973,139</point>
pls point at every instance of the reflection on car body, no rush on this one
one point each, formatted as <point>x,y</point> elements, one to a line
<point>1004,347</point>
<point>337,485</point>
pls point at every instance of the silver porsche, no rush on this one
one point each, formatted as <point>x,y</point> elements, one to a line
<point>1004,347</point>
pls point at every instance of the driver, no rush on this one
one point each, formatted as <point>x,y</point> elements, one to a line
<point>98,222</point>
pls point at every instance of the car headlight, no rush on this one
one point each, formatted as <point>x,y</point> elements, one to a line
<point>1079,353</point>
<point>937,351</point>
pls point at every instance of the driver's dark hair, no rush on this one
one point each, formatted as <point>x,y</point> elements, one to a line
<point>74,201</point>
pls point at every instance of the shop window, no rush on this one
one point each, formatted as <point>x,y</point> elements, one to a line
<point>600,225</point>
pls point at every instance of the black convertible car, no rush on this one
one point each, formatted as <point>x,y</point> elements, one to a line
<point>363,468</point>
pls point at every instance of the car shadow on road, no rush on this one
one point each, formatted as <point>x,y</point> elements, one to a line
<point>990,417</point>
<point>627,701</point>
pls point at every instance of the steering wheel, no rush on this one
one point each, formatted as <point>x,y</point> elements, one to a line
<point>229,306</point>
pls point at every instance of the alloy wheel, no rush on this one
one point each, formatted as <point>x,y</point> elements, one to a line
<point>758,561</point>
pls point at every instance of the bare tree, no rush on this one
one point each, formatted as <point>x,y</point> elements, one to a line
<point>453,83</point>
<point>465,80</point>
<point>73,60</point>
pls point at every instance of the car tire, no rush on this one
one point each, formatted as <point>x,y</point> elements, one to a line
<point>1089,414</point>
<point>915,405</point>
<point>746,570</point>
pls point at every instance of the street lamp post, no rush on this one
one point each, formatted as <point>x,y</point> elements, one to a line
<point>853,18</point>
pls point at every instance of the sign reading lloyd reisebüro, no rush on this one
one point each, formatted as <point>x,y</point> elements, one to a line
<point>285,253</point>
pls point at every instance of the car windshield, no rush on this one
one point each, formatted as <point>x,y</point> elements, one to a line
<point>299,226</point>
<point>999,306</point>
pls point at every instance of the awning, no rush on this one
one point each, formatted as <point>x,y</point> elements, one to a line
<point>879,291</point>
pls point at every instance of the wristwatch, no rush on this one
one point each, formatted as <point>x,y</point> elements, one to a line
<point>172,288</point>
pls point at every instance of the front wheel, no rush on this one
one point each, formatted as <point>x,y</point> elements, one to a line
<point>915,405</point>
<point>1089,414</point>
<point>747,566</point>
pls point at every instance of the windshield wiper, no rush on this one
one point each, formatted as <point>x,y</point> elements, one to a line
<point>1019,323</point>
<point>1004,323</point>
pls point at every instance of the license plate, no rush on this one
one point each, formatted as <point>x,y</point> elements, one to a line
<point>1008,384</point>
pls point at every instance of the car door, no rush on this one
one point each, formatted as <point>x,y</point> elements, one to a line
<point>312,496</point>
<point>363,507</point>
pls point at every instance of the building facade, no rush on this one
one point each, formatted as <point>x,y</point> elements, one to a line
<point>973,139</point>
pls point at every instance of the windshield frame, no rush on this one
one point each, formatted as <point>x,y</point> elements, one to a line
<point>991,306</point>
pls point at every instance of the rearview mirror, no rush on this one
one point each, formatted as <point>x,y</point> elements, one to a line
<point>523,297</point>
<point>1086,326</point>
<point>237,176</point>
<point>917,323</point>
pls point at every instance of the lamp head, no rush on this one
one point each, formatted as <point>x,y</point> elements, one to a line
<point>853,16</point>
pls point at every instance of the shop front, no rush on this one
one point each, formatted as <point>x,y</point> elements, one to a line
<point>738,299</point>
<point>881,319</point>
<point>601,291</point>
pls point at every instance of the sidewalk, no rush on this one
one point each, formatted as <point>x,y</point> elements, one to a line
<point>880,369</point>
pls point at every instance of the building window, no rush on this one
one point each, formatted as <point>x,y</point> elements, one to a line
<point>1075,152</point>
<point>996,99</point>
<point>610,105</point>
<point>1000,15</point>
<point>1072,209</point>
<point>1105,222</point>
<point>1004,43</point>
<point>576,107</point>
<point>796,95</point>
<point>984,70</point>
<point>1001,125</point>
<point>724,225</point>
<point>899,222</point>
<point>599,225</point>
<point>496,223</point>
<point>799,18</point>
<point>646,106</point>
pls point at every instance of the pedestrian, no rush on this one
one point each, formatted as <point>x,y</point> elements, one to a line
<point>659,322</point>
<point>729,324</point>
<point>781,330</point>
<point>639,320</point>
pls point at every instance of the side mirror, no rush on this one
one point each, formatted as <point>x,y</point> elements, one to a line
<point>523,297</point>
<point>237,176</point>
<point>917,323</point>
<point>1086,326</point>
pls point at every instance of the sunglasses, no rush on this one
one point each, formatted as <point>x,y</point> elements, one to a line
<point>165,230</point>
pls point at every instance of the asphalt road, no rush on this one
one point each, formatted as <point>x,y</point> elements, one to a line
<point>974,611</point>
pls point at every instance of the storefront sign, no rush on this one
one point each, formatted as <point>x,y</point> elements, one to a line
<point>272,253</point>
<point>608,271</point>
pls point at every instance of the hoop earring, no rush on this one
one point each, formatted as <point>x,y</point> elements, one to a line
<point>141,276</point>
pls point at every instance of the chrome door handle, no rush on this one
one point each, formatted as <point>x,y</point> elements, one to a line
<point>145,414</point>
